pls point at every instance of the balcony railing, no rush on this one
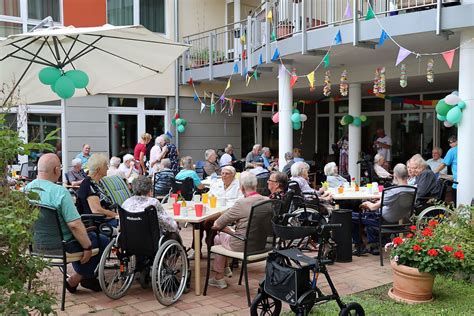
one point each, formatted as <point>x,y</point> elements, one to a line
<point>236,41</point>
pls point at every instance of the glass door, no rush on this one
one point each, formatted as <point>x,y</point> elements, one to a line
<point>248,134</point>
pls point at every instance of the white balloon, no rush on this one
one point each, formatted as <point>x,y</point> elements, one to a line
<point>447,124</point>
<point>452,99</point>
<point>303,117</point>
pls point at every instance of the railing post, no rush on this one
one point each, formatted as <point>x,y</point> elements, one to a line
<point>185,63</point>
<point>355,21</point>
<point>438,17</point>
<point>268,37</point>
<point>303,28</point>
<point>210,50</point>
<point>249,42</point>
<point>330,12</point>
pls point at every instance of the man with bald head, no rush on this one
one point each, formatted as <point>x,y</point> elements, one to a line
<point>74,232</point>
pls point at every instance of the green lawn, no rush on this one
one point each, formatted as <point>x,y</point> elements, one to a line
<point>451,298</point>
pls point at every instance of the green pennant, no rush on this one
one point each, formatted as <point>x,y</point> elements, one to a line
<point>273,37</point>
<point>255,75</point>
<point>326,61</point>
<point>213,108</point>
<point>370,14</point>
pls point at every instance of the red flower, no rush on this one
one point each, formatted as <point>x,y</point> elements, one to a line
<point>409,235</point>
<point>432,252</point>
<point>413,227</point>
<point>427,232</point>
<point>397,241</point>
<point>433,223</point>
<point>416,248</point>
<point>421,241</point>
<point>447,248</point>
<point>459,255</point>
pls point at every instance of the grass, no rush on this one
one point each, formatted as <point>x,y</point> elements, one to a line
<point>451,298</point>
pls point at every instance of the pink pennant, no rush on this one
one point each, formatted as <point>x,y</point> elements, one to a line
<point>449,57</point>
<point>402,54</point>
<point>293,80</point>
<point>348,12</point>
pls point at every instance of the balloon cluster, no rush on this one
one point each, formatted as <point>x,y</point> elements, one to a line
<point>354,120</point>
<point>64,84</point>
<point>449,109</point>
<point>296,118</point>
<point>179,122</point>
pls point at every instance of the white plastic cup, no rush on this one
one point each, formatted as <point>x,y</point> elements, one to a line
<point>197,199</point>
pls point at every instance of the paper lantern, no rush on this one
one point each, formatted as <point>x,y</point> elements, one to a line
<point>442,107</point>
<point>64,87</point>
<point>452,99</point>
<point>454,115</point>
<point>295,118</point>
<point>357,122</point>
<point>276,117</point>
<point>49,75</point>
<point>303,117</point>
<point>296,126</point>
<point>181,129</point>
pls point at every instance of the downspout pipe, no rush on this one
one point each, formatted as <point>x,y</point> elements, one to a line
<point>176,71</point>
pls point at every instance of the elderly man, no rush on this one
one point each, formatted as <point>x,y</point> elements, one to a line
<point>239,214</point>
<point>383,145</point>
<point>254,158</point>
<point>76,174</point>
<point>163,179</point>
<point>157,152</point>
<point>289,162</point>
<point>277,184</point>
<point>84,155</point>
<point>189,172</point>
<point>228,157</point>
<point>74,232</point>
<point>426,181</point>
<point>436,161</point>
<point>211,165</point>
<point>451,159</point>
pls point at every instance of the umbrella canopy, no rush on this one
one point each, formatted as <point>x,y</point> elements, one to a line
<point>111,56</point>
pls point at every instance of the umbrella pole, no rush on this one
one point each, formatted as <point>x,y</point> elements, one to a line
<point>64,149</point>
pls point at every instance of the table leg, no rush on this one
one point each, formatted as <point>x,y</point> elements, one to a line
<point>197,258</point>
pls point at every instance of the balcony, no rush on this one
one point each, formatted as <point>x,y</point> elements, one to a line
<point>214,52</point>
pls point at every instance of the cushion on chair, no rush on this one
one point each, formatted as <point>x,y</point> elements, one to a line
<point>220,250</point>
<point>73,256</point>
<point>116,188</point>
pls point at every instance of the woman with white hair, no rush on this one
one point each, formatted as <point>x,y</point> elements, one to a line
<point>379,160</point>
<point>76,174</point>
<point>227,188</point>
<point>157,152</point>
<point>114,168</point>
<point>299,174</point>
<point>91,198</point>
<point>332,176</point>
<point>211,165</point>
<point>127,167</point>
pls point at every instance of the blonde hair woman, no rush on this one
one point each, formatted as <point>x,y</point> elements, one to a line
<point>140,152</point>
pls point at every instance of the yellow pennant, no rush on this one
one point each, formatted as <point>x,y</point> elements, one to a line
<point>310,77</point>
<point>242,39</point>
<point>270,16</point>
<point>248,80</point>
<point>228,84</point>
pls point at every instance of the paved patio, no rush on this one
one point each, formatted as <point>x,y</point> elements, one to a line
<point>361,274</point>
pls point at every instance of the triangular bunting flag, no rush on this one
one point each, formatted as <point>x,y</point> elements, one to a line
<point>228,84</point>
<point>203,106</point>
<point>402,54</point>
<point>260,59</point>
<point>255,74</point>
<point>382,38</point>
<point>338,38</point>
<point>242,39</point>
<point>293,80</point>
<point>310,77</point>
<point>449,57</point>
<point>196,97</point>
<point>236,68</point>
<point>190,81</point>
<point>370,14</point>
<point>222,99</point>
<point>348,11</point>
<point>248,80</point>
<point>213,108</point>
<point>326,60</point>
<point>273,36</point>
<point>270,16</point>
<point>276,55</point>
<point>244,54</point>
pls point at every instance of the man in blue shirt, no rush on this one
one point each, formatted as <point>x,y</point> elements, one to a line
<point>451,159</point>
<point>188,172</point>
<point>84,155</point>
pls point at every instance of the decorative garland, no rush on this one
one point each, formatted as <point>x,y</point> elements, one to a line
<point>343,86</point>
<point>429,71</point>
<point>179,122</point>
<point>449,109</point>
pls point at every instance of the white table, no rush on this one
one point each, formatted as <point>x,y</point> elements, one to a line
<point>351,194</point>
<point>197,222</point>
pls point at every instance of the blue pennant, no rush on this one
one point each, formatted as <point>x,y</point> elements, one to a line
<point>338,38</point>
<point>260,59</point>
<point>222,99</point>
<point>236,68</point>
<point>195,97</point>
<point>276,55</point>
<point>382,38</point>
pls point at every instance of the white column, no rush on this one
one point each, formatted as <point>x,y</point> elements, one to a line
<point>354,131</point>
<point>285,128</point>
<point>466,128</point>
<point>236,11</point>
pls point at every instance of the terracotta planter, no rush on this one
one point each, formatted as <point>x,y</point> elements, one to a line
<point>410,285</point>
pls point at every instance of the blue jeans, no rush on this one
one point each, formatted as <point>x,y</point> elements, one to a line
<point>371,222</point>
<point>87,270</point>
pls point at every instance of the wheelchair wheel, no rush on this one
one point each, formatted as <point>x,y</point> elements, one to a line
<point>437,212</point>
<point>170,272</point>
<point>354,309</point>
<point>264,304</point>
<point>115,273</point>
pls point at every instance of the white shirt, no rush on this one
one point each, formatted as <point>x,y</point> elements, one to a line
<point>381,172</point>
<point>434,164</point>
<point>155,156</point>
<point>124,169</point>
<point>231,194</point>
<point>115,172</point>
<point>384,152</point>
<point>225,160</point>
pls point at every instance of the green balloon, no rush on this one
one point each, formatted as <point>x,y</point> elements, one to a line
<point>462,105</point>
<point>49,75</point>
<point>295,118</point>
<point>442,108</point>
<point>79,78</point>
<point>296,126</point>
<point>347,119</point>
<point>357,122</point>
<point>296,111</point>
<point>64,87</point>
<point>454,115</point>
<point>184,122</point>
<point>173,121</point>
<point>441,117</point>
<point>179,121</point>
<point>181,128</point>
<point>363,118</point>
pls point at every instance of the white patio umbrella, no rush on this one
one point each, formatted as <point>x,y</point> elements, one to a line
<point>110,56</point>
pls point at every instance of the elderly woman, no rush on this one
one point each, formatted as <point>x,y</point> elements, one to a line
<point>299,174</point>
<point>227,188</point>
<point>411,173</point>
<point>157,152</point>
<point>114,168</point>
<point>277,184</point>
<point>332,176</point>
<point>379,161</point>
<point>426,182</point>
<point>142,198</point>
<point>189,172</point>
<point>127,167</point>
<point>211,165</point>
<point>139,153</point>
<point>172,153</point>
<point>76,175</point>
<point>91,198</point>
<point>238,214</point>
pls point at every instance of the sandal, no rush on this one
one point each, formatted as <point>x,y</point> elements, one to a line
<point>71,289</point>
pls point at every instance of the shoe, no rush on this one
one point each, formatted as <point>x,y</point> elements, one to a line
<point>70,289</point>
<point>228,272</point>
<point>374,251</point>
<point>191,254</point>
<point>91,284</point>
<point>359,251</point>
<point>221,284</point>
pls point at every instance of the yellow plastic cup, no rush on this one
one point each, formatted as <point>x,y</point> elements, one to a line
<point>213,201</point>
<point>205,198</point>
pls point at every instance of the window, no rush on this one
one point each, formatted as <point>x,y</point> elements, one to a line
<point>323,135</point>
<point>120,12</point>
<point>40,9</point>
<point>39,126</point>
<point>248,134</point>
<point>406,136</point>
<point>123,102</point>
<point>155,126</point>
<point>11,120</point>
<point>270,135</point>
<point>152,15</point>
<point>155,104</point>
<point>123,134</point>
<point>397,104</point>
<point>10,7</point>
<point>248,107</point>
<point>341,106</point>
<point>373,105</point>
<point>323,107</point>
<point>9,28</point>
<point>368,131</point>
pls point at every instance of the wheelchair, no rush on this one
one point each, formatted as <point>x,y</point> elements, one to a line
<point>140,248</point>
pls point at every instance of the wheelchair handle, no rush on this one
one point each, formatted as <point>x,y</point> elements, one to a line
<point>330,226</point>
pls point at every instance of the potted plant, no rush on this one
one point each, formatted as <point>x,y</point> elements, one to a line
<point>422,254</point>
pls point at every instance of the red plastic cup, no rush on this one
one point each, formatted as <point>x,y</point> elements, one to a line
<point>174,196</point>
<point>380,188</point>
<point>199,208</point>
<point>176,208</point>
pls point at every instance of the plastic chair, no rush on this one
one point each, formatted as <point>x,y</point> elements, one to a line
<point>185,186</point>
<point>200,169</point>
<point>116,188</point>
